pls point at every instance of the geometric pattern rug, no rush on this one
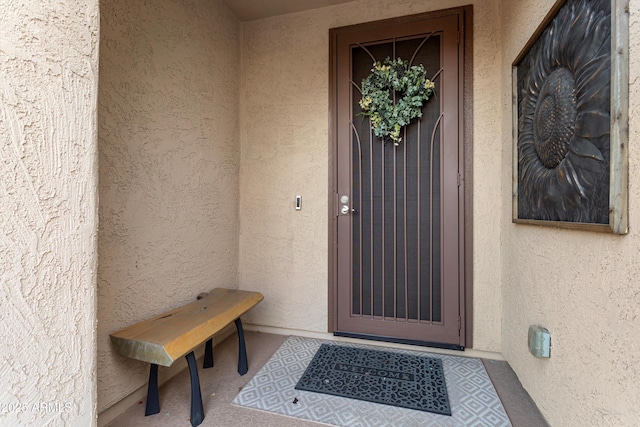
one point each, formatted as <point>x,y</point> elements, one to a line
<point>472,397</point>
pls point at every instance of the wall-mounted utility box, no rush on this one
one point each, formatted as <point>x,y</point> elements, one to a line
<point>539,341</point>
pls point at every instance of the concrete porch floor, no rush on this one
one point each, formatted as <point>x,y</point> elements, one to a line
<point>222,383</point>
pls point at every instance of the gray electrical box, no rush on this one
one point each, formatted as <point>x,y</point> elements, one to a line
<point>539,341</point>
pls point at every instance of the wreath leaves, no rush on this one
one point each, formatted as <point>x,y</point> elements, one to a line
<point>393,95</point>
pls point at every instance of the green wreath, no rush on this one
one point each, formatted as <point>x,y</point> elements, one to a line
<point>386,82</point>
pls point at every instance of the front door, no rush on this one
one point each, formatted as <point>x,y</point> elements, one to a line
<point>398,207</point>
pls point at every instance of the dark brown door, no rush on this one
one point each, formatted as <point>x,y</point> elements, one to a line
<point>398,207</point>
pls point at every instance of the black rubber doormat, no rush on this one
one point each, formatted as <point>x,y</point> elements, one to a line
<point>407,381</point>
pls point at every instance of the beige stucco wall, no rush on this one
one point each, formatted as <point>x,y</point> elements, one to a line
<point>285,149</point>
<point>582,286</point>
<point>168,140</point>
<point>169,168</point>
<point>48,212</point>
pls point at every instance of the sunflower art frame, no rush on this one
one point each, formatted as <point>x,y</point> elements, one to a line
<point>570,119</point>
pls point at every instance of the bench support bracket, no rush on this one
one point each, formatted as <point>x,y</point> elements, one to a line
<point>153,400</point>
<point>208,354</point>
<point>197,410</point>
<point>243,365</point>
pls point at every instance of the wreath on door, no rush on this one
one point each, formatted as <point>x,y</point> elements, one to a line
<point>393,95</point>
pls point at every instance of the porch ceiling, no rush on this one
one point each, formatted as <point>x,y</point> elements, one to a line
<point>249,10</point>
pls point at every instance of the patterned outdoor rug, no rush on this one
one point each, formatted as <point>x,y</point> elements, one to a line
<point>472,398</point>
<point>405,380</point>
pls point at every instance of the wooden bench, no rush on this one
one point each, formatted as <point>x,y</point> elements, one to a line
<point>167,337</point>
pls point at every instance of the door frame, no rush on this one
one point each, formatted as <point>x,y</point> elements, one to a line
<point>465,16</point>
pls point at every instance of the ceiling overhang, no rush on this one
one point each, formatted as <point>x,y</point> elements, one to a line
<point>250,10</point>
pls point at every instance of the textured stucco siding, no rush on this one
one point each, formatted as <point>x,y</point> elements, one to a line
<point>285,152</point>
<point>48,212</point>
<point>206,131</point>
<point>582,286</point>
<point>168,142</point>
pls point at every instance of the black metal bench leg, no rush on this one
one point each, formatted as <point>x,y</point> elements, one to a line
<point>153,399</point>
<point>197,410</point>
<point>208,354</point>
<point>243,365</point>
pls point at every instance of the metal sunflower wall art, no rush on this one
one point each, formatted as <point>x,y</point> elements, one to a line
<point>563,83</point>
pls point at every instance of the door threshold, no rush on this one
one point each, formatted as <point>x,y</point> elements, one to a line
<point>399,340</point>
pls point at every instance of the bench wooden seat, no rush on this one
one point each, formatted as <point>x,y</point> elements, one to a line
<point>169,336</point>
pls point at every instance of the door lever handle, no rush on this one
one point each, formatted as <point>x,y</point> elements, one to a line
<point>344,210</point>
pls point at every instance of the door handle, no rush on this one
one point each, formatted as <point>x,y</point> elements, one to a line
<point>345,210</point>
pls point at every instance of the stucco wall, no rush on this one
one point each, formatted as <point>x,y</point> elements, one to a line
<point>284,152</point>
<point>168,141</point>
<point>582,286</point>
<point>48,212</point>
